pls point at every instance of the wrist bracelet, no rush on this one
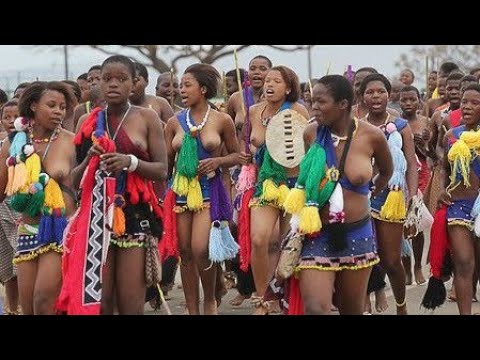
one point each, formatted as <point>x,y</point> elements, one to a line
<point>133,163</point>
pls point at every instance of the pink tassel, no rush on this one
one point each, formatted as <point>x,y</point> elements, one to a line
<point>247,178</point>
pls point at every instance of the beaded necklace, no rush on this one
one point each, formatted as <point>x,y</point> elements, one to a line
<point>194,129</point>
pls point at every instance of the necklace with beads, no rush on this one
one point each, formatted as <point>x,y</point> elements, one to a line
<point>195,129</point>
<point>46,140</point>
<point>336,139</point>
<point>119,124</point>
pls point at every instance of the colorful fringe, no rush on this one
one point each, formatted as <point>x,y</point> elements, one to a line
<point>394,208</point>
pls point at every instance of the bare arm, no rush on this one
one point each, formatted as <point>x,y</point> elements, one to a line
<point>231,106</point>
<point>309,136</point>
<point>169,135</point>
<point>78,171</point>
<point>432,144</point>
<point>409,151</point>
<point>383,160</point>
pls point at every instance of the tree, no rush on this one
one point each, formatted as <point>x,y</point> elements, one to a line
<point>166,57</point>
<point>465,56</point>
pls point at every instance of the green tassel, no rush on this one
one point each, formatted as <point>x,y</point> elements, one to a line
<point>315,173</point>
<point>270,170</point>
<point>35,204</point>
<point>187,163</point>
<point>20,201</point>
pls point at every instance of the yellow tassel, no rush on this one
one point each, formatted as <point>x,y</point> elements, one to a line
<point>119,226</point>
<point>33,166</point>
<point>270,191</point>
<point>180,185</point>
<point>394,208</point>
<point>460,156</point>
<point>472,139</point>
<point>283,194</point>
<point>295,201</point>
<point>310,222</point>
<point>19,178</point>
<point>194,197</point>
<point>8,188</point>
<point>53,195</point>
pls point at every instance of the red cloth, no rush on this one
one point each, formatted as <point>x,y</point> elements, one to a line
<point>295,301</point>
<point>244,236</point>
<point>456,118</point>
<point>423,175</point>
<point>70,299</point>
<point>168,246</point>
<point>438,242</point>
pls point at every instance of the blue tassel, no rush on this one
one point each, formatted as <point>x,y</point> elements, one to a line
<point>228,241</point>
<point>59,225</point>
<point>406,248</point>
<point>216,251</point>
<point>399,161</point>
<point>19,141</point>
<point>45,229</point>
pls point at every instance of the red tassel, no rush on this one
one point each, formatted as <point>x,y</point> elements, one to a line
<point>438,242</point>
<point>295,301</point>
<point>88,127</point>
<point>244,237</point>
<point>168,246</point>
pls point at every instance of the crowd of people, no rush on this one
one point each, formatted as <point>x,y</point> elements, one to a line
<point>107,191</point>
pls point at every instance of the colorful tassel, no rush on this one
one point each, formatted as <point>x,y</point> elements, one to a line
<point>295,201</point>
<point>244,237</point>
<point>283,191</point>
<point>270,191</point>
<point>194,196</point>
<point>221,244</point>
<point>394,208</point>
<point>187,162</point>
<point>310,222</point>
<point>247,178</point>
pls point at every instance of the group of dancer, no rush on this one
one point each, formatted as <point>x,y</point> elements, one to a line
<point>106,190</point>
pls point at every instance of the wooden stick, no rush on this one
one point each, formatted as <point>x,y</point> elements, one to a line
<point>172,99</point>
<point>239,82</point>
<point>427,91</point>
<point>310,87</point>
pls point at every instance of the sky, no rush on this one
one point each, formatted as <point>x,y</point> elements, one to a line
<point>24,63</point>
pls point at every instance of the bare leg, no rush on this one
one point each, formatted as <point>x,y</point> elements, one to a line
<point>188,269</point>
<point>389,238</point>
<point>417,244</point>
<point>407,265</point>
<point>207,271</point>
<point>317,291</point>
<point>350,287</point>
<point>11,295</point>
<point>464,265</point>
<point>263,220</point>
<point>108,283</point>
<point>48,283</point>
<point>130,281</point>
<point>26,273</point>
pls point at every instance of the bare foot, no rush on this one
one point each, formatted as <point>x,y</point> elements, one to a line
<point>238,300</point>
<point>274,308</point>
<point>381,304</point>
<point>210,307</point>
<point>419,278</point>
<point>451,295</point>
<point>368,306</point>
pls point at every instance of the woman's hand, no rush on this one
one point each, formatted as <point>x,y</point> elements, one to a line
<point>95,150</point>
<point>114,162</point>
<point>245,158</point>
<point>444,199</point>
<point>208,166</point>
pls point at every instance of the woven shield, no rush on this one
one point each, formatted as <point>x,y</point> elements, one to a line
<point>284,138</point>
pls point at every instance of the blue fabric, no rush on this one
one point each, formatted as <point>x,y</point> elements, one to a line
<point>324,139</point>
<point>360,241</point>
<point>378,201</point>
<point>291,182</point>
<point>461,210</point>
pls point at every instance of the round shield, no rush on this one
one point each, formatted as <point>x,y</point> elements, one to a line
<point>284,138</point>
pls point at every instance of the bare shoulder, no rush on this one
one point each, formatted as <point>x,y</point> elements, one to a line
<point>222,117</point>
<point>301,109</point>
<point>310,132</point>
<point>255,109</point>
<point>172,123</point>
<point>371,131</point>
<point>68,135</point>
<point>81,121</point>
